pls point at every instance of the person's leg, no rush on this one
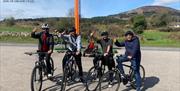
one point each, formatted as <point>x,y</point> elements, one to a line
<point>110,64</point>
<point>48,63</point>
<point>78,61</point>
<point>136,67</point>
<point>120,60</point>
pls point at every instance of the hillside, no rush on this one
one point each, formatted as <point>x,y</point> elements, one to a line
<point>147,11</point>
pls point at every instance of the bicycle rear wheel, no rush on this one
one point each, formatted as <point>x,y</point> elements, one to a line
<point>132,77</point>
<point>112,77</point>
<point>36,79</point>
<point>92,79</point>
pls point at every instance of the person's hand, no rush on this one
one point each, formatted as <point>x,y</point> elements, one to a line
<point>50,51</point>
<point>105,54</point>
<point>129,57</point>
<point>34,30</point>
<point>77,53</point>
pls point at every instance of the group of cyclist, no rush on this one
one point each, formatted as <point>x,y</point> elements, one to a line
<point>131,44</point>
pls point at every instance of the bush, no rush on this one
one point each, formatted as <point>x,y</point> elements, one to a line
<point>9,21</point>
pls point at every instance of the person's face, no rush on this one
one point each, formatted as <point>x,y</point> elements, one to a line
<point>129,37</point>
<point>46,30</point>
<point>105,36</point>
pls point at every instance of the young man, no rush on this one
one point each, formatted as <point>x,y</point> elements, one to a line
<point>107,58</point>
<point>132,54</point>
<point>74,45</point>
<point>46,44</point>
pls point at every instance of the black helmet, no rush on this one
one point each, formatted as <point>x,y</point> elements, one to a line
<point>129,33</point>
<point>105,33</point>
<point>45,26</point>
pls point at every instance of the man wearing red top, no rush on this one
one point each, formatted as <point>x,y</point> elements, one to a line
<point>46,44</point>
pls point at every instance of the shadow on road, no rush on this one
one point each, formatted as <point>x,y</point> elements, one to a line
<point>148,83</point>
<point>57,86</point>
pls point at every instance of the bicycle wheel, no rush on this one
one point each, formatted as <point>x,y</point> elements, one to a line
<point>36,79</point>
<point>73,71</point>
<point>132,77</point>
<point>64,79</point>
<point>112,77</point>
<point>52,66</point>
<point>92,79</point>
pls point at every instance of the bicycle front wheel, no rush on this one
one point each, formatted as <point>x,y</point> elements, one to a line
<point>64,79</point>
<point>110,81</point>
<point>92,79</point>
<point>36,79</point>
<point>52,66</point>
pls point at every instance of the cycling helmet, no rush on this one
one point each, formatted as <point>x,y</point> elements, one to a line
<point>129,33</point>
<point>45,26</point>
<point>105,33</point>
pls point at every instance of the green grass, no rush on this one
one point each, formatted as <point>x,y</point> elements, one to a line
<point>15,29</point>
<point>151,38</point>
<point>155,38</point>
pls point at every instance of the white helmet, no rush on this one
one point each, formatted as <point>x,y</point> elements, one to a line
<point>45,26</point>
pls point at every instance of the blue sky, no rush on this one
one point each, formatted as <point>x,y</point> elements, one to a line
<point>60,8</point>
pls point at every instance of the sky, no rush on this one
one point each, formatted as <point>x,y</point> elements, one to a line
<point>60,8</point>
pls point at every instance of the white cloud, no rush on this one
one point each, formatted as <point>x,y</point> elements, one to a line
<point>36,9</point>
<point>165,2</point>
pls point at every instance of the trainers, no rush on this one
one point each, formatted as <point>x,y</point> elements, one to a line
<point>125,81</point>
<point>109,84</point>
<point>49,75</point>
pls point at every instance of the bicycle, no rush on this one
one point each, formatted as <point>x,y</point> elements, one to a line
<point>70,71</point>
<point>39,71</point>
<point>130,74</point>
<point>96,76</point>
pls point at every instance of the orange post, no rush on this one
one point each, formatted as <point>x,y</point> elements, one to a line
<point>76,15</point>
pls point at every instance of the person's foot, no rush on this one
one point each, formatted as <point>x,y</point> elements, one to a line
<point>110,84</point>
<point>49,75</point>
<point>124,79</point>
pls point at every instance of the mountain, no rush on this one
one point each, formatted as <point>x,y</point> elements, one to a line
<point>147,11</point>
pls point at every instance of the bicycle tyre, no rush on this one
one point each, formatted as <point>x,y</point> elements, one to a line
<point>64,79</point>
<point>105,78</point>
<point>33,78</point>
<point>92,76</point>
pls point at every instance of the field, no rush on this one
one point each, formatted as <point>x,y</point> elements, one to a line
<point>148,38</point>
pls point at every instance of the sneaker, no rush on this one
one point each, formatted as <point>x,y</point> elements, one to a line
<point>49,75</point>
<point>109,84</point>
<point>125,81</point>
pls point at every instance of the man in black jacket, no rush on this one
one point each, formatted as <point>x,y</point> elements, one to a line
<point>132,54</point>
<point>46,44</point>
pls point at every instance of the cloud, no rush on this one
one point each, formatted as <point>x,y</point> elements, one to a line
<point>36,9</point>
<point>165,2</point>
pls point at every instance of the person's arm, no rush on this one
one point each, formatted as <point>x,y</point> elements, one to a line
<point>136,47</point>
<point>119,44</point>
<point>34,34</point>
<point>78,41</point>
<point>51,44</point>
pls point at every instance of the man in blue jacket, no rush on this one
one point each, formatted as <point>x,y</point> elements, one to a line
<point>132,54</point>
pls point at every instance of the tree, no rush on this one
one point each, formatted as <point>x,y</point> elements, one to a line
<point>10,21</point>
<point>139,23</point>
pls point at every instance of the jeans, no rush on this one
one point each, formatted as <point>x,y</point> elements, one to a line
<point>47,56</point>
<point>135,63</point>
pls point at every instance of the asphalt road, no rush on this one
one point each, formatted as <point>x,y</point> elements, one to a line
<point>162,70</point>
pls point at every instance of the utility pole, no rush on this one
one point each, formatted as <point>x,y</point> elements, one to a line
<point>77,16</point>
